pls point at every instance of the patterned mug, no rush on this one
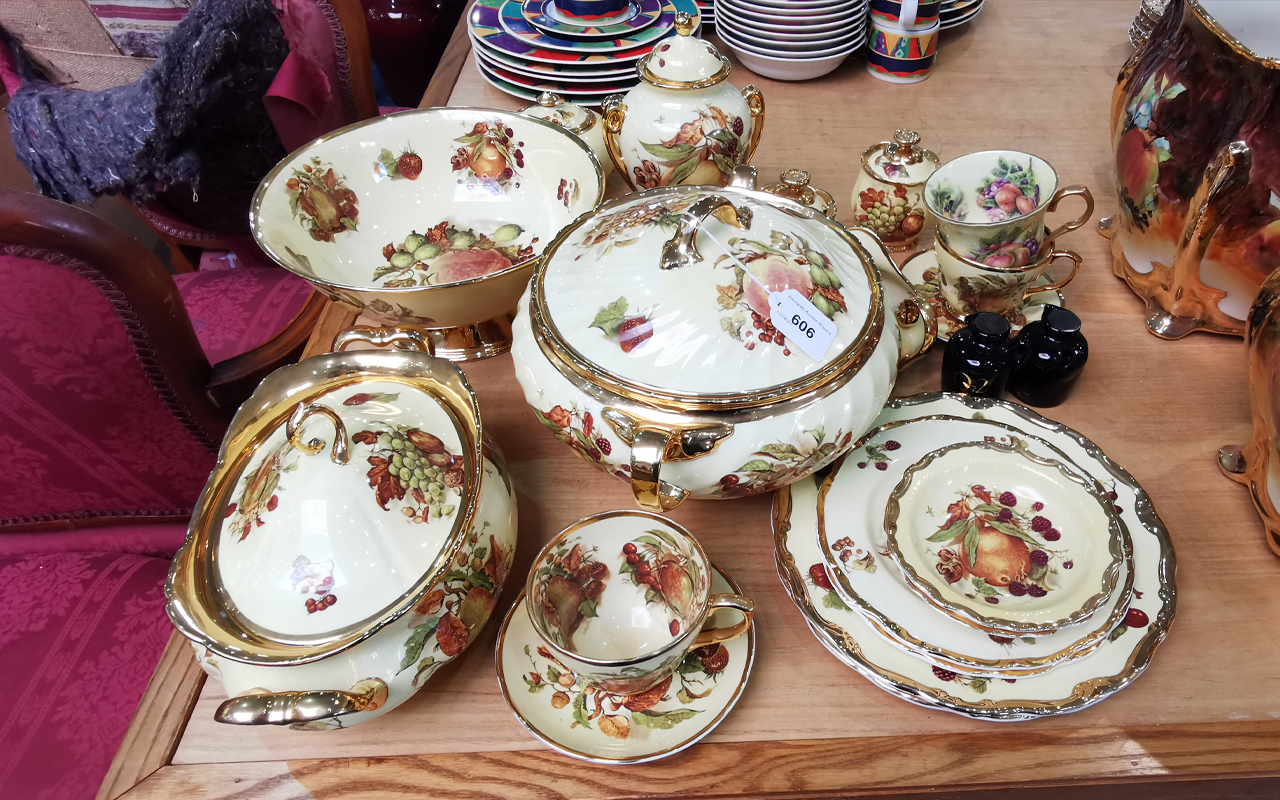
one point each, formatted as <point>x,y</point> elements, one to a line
<point>996,200</point>
<point>908,14</point>
<point>901,55</point>
<point>1002,283</point>
<point>622,597</point>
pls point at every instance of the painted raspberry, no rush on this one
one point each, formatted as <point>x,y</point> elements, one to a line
<point>1036,591</point>
<point>738,127</point>
<point>1068,564</point>
<point>820,578</point>
<point>861,465</point>
<point>892,445</point>
<point>1038,507</point>
<point>1041,524</point>
<point>992,599</point>
<point>1039,558</point>
<point>409,164</point>
<point>1017,589</point>
<point>604,445</point>
<point>944,674</point>
<point>882,465</point>
<point>1008,499</point>
<point>1052,535</point>
<point>1005,515</point>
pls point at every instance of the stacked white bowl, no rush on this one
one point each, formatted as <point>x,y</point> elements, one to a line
<point>792,40</point>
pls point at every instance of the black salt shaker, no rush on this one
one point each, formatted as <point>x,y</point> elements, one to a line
<point>978,357</point>
<point>1051,354</point>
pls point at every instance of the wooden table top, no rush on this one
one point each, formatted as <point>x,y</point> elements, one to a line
<point>1204,721</point>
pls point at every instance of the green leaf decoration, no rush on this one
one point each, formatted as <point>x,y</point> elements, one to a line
<point>677,153</point>
<point>580,710</point>
<point>971,543</point>
<point>1029,639</point>
<point>534,688</point>
<point>348,223</point>
<point>723,136</point>
<point>456,575</point>
<point>724,164</point>
<point>652,596</point>
<point>979,685</point>
<point>293,203</point>
<point>428,665</point>
<point>1173,91</point>
<point>587,608</point>
<point>470,139</point>
<point>683,171</point>
<point>983,588</point>
<point>417,639</point>
<point>1117,633</point>
<point>832,600</point>
<point>481,579</point>
<point>988,508</point>
<point>666,537</point>
<point>754,465</point>
<point>728,324</point>
<point>389,162</point>
<point>1038,572</point>
<point>384,269</point>
<point>780,451</point>
<point>663,720</point>
<point>610,317</point>
<point>820,433</point>
<point>950,532</point>
<point>649,540</point>
<point>553,674</point>
<point>1009,529</point>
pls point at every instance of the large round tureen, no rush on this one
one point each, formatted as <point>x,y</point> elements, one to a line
<point>351,540</point>
<point>432,217</point>
<point>675,339</point>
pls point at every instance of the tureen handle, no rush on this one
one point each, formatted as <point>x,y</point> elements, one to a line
<point>293,430</point>
<point>755,103</point>
<point>651,444</point>
<point>260,707</point>
<point>401,338</point>
<point>681,250</point>
<point>615,112</point>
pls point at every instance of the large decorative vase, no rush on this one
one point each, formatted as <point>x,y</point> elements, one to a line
<point>1196,134</point>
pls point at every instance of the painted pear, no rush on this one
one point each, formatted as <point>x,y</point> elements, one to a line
<point>1001,560</point>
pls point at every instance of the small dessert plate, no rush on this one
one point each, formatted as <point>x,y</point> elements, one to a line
<point>921,270</point>
<point>1003,539</point>
<point>590,724</point>
<point>543,15</point>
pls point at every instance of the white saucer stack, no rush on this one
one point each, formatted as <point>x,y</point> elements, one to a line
<point>792,40</point>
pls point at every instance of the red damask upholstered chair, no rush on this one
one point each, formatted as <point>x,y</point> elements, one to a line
<point>110,418</point>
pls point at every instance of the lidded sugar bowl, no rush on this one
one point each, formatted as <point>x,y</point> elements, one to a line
<point>793,184</point>
<point>684,123</point>
<point>352,539</point>
<point>888,196</point>
<point>578,120</point>
<point>663,339</point>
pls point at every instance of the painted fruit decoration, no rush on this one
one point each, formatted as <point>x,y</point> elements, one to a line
<point>656,562</point>
<point>893,217</point>
<point>491,154</point>
<point>1009,191</point>
<point>631,330</point>
<point>447,254</point>
<point>1140,149</point>
<point>320,200</point>
<point>259,493</point>
<point>408,462</point>
<point>406,165</point>
<point>567,587</point>
<point>1003,250</point>
<point>704,152</point>
<point>1000,548</point>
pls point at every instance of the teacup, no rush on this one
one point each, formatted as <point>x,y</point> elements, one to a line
<point>987,200</point>
<point>906,13</point>
<point>622,597</point>
<point>1001,285</point>
<point>901,55</point>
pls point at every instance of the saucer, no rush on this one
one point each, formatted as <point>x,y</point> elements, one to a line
<point>592,725</point>
<point>530,93</point>
<point>511,18</point>
<point>540,73</point>
<point>1005,540</point>
<point>921,270</point>
<point>570,70</point>
<point>543,15</point>
<point>855,549</point>
<point>1117,662</point>
<point>485,26</point>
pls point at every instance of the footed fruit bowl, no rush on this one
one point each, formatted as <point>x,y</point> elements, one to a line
<point>432,217</point>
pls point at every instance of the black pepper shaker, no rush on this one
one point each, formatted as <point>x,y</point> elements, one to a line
<point>1052,354</point>
<point>978,357</point>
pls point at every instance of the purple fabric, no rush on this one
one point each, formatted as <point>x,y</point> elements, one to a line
<point>80,635</point>
<point>235,310</point>
<point>85,433</point>
<point>159,539</point>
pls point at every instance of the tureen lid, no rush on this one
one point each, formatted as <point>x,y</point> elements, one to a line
<point>901,161</point>
<point>683,61</point>
<point>342,490</point>
<point>665,296</point>
<point>558,111</point>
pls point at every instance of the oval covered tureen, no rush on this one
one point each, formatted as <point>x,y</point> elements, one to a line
<point>352,539</point>
<point>713,342</point>
<point>684,123</point>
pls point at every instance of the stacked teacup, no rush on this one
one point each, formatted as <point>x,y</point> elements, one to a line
<point>903,41</point>
<point>992,244</point>
<point>792,40</point>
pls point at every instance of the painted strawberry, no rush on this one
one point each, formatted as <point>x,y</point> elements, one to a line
<point>634,332</point>
<point>409,164</point>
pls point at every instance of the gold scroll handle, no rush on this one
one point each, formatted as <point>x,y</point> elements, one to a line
<point>293,430</point>
<point>745,605</point>
<point>261,707</point>
<point>1058,284</point>
<point>615,112</point>
<point>1078,190</point>
<point>755,104</point>
<point>402,337</point>
<point>912,311</point>
<point>653,443</point>
<point>681,250</point>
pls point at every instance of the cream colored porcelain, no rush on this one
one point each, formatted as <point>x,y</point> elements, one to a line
<point>431,217</point>
<point>621,597</point>
<point>888,196</point>
<point>684,123</point>
<point>352,539</point>
<point>678,379</point>
<point>578,120</point>
<point>793,184</point>
<point>970,286</point>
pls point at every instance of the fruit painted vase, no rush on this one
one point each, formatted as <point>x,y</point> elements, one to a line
<point>684,123</point>
<point>621,598</point>
<point>578,120</point>
<point>888,196</point>
<point>352,539</point>
<point>649,342</point>
<point>1194,130</point>
<point>432,217</point>
<point>901,55</point>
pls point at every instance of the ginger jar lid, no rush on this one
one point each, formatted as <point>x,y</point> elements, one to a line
<point>664,296</point>
<point>683,61</point>
<point>555,109</point>
<point>902,161</point>
<point>326,517</point>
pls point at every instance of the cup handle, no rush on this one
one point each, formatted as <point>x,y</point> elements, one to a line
<point>716,635</point>
<point>1056,285</point>
<point>755,104</point>
<point>1079,190</point>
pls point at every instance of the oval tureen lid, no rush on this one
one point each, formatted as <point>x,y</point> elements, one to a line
<point>317,529</point>
<point>901,161</point>
<point>555,109</point>
<point>683,61</point>
<point>664,296</point>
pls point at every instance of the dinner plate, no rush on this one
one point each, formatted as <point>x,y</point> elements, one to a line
<point>544,16</point>
<point>767,13</point>
<point>854,547</point>
<point>513,22</point>
<point>540,73</point>
<point>844,47</point>
<point>555,71</point>
<point>484,24</point>
<point>833,41</point>
<point>953,20</point>
<point>786,35</point>
<point>1117,662</point>
<point>782,29</point>
<point>571,88</point>
<point>527,93</point>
